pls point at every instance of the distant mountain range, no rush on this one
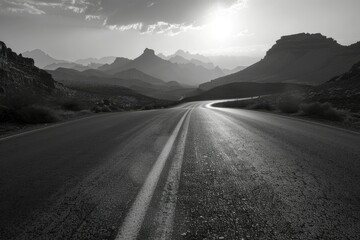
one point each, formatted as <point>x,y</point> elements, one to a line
<point>131,78</point>
<point>22,84</point>
<point>186,68</point>
<point>301,58</point>
<point>41,58</point>
<point>231,62</point>
<point>186,55</point>
<point>182,60</point>
<point>114,67</point>
<point>185,74</point>
<point>69,65</point>
<point>45,61</point>
<point>100,61</point>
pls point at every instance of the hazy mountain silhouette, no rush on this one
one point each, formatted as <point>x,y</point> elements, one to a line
<point>131,78</point>
<point>186,55</point>
<point>245,89</point>
<point>178,59</point>
<point>100,61</point>
<point>74,78</point>
<point>45,61</point>
<point>69,65</point>
<point>301,58</point>
<point>114,67</point>
<point>149,63</point>
<point>41,58</point>
<point>181,60</point>
<point>231,62</point>
<point>136,74</point>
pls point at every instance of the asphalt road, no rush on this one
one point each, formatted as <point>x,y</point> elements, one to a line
<point>190,172</point>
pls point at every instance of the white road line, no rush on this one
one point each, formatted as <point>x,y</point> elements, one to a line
<point>133,221</point>
<point>165,217</point>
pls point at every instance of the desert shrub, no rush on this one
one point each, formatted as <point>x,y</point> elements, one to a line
<point>71,104</point>
<point>18,102</point>
<point>99,109</point>
<point>260,105</point>
<point>234,104</point>
<point>324,111</point>
<point>289,104</point>
<point>36,114</point>
<point>6,114</point>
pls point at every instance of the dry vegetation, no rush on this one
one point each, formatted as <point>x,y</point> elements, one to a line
<point>296,105</point>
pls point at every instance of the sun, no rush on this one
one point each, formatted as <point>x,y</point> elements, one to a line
<point>220,25</point>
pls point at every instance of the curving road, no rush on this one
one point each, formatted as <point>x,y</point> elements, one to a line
<point>189,172</point>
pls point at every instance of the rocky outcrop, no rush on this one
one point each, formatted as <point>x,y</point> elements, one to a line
<point>302,43</point>
<point>19,75</point>
<point>342,91</point>
<point>301,58</point>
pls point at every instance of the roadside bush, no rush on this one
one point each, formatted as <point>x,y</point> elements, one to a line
<point>36,114</point>
<point>237,104</point>
<point>257,104</point>
<point>289,104</point>
<point>6,114</point>
<point>324,111</point>
<point>71,104</point>
<point>260,105</point>
<point>99,109</point>
<point>18,102</point>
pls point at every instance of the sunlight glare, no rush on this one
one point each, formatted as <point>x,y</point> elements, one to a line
<point>220,25</point>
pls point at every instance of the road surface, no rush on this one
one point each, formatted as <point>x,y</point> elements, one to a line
<point>189,172</point>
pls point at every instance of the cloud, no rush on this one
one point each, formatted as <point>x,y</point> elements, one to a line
<point>92,17</point>
<point>168,28</point>
<point>169,17</point>
<point>244,33</point>
<point>20,7</point>
<point>41,6</point>
<point>135,26</point>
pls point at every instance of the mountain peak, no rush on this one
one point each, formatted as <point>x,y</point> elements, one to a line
<point>180,52</point>
<point>149,52</point>
<point>302,42</point>
<point>36,51</point>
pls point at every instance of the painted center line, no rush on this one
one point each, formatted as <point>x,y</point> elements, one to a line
<point>166,215</point>
<point>135,217</point>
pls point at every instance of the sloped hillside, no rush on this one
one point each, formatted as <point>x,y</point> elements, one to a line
<point>244,90</point>
<point>301,58</point>
<point>342,91</point>
<point>19,76</point>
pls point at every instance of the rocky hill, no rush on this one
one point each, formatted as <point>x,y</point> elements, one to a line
<point>149,63</point>
<point>301,58</point>
<point>342,91</point>
<point>19,75</point>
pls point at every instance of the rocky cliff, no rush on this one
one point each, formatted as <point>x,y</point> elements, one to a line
<point>19,75</point>
<point>300,58</point>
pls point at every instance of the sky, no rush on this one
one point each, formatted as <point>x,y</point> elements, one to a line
<point>73,29</point>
